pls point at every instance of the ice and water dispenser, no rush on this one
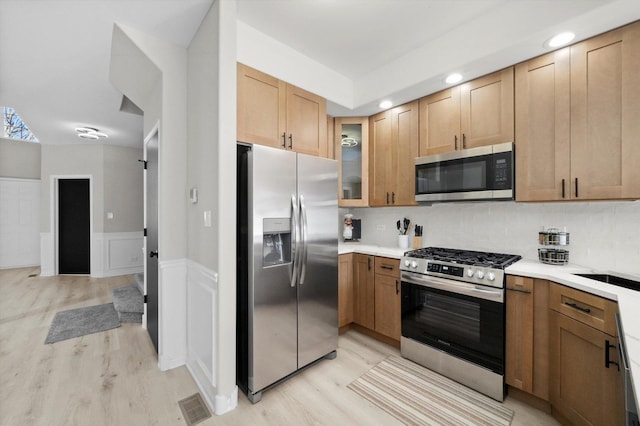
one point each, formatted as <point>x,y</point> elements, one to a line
<point>276,243</point>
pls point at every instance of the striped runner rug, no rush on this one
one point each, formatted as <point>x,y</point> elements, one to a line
<point>418,396</point>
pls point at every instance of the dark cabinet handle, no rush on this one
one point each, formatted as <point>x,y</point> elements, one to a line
<point>607,361</point>
<point>393,198</point>
<point>576,187</point>
<point>519,290</point>
<point>284,139</point>
<point>153,253</point>
<point>562,188</point>
<point>397,288</point>
<point>369,263</point>
<point>291,140</point>
<point>387,198</point>
<point>464,141</point>
<point>455,141</point>
<point>575,306</point>
<point>390,268</point>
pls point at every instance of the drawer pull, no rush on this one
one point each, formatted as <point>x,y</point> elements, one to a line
<point>369,263</point>
<point>519,290</point>
<point>575,306</point>
<point>607,362</point>
<point>390,268</point>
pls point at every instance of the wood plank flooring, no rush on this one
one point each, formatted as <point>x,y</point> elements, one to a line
<point>111,378</point>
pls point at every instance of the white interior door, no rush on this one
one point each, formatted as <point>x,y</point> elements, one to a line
<point>19,223</point>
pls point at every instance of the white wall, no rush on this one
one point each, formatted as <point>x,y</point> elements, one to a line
<point>123,189</point>
<point>19,159</point>
<point>603,235</point>
<point>19,222</point>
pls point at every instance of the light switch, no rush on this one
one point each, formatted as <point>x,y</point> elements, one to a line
<point>207,218</point>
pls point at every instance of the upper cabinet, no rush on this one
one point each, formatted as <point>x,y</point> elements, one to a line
<point>274,113</point>
<point>476,113</point>
<point>393,149</point>
<point>352,152</point>
<point>577,121</point>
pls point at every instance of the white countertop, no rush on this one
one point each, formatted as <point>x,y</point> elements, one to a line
<point>628,301</point>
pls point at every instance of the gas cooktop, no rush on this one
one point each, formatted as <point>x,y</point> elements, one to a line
<point>464,257</point>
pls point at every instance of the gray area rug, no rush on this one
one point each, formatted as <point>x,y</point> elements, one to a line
<point>82,321</point>
<point>418,396</point>
<point>128,299</point>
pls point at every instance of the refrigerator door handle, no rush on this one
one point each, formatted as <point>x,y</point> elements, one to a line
<point>295,240</point>
<point>304,232</point>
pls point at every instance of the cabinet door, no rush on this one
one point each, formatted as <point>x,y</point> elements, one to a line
<point>605,116</point>
<point>582,388</point>
<point>364,292</point>
<point>486,110</point>
<point>440,122</point>
<point>353,161</point>
<point>331,137</point>
<point>379,159</point>
<point>404,150</point>
<point>261,107</point>
<point>306,122</point>
<point>387,306</point>
<point>543,128</point>
<point>519,333</point>
<point>345,289</point>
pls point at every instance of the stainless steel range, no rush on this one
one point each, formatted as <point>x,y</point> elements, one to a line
<point>453,314</point>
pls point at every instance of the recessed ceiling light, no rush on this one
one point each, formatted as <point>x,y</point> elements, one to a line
<point>560,39</point>
<point>90,133</point>
<point>385,104</point>
<point>453,78</point>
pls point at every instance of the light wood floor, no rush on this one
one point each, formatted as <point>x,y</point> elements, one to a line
<point>111,378</point>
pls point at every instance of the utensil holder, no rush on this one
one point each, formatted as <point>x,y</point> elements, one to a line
<point>417,242</point>
<point>403,241</point>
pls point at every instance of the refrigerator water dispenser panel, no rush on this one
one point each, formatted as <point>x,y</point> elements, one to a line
<point>276,241</point>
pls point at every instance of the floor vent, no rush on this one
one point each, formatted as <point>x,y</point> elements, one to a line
<point>32,275</point>
<point>194,409</point>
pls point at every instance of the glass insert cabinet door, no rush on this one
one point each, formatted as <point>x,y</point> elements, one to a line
<point>352,153</point>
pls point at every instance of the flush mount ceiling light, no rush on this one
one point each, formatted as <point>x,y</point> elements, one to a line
<point>385,104</point>
<point>559,39</point>
<point>453,78</point>
<point>90,133</point>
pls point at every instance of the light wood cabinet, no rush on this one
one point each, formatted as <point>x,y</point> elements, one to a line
<point>394,142</point>
<point>584,387</point>
<point>543,127</point>
<point>477,113</point>
<point>331,153</point>
<point>387,297</point>
<point>527,335</point>
<point>353,160</point>
<point>345,289</point>
<point>577,121</point>
<point>364,290</point>
<point>277,114</point>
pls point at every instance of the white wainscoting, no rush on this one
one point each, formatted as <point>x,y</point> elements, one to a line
<point>19,222</point>
<point>117,253</point>
<point>47,255</point>
<point>202,292</point>
<point>172,313</point>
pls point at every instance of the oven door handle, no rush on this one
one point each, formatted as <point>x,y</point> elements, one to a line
<point>452,286</point>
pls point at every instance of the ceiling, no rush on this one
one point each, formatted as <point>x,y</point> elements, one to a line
<point>54,60</point>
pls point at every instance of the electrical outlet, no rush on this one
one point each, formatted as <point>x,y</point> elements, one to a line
<point>381,227</point>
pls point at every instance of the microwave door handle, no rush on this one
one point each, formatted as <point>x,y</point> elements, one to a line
<point>294,240</point>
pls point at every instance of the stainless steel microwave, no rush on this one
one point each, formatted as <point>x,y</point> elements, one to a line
<point>483,173</point>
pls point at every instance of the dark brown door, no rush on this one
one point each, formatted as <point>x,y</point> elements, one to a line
<point>74,240</point>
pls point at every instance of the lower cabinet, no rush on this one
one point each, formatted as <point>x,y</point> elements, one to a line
<point>527,335</point>
<point>387,297</point>
<point>345,289</point>
<point>363,290</point>
<point>586,384</point>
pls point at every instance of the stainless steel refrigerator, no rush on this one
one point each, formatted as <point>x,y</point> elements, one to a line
<point>287,271</point>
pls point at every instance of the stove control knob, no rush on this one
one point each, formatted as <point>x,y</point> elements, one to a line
<point>414,264</point>
<point>407,262</point>
<point>470,273</point>
<point>480,274</point>
<point>491,276</point>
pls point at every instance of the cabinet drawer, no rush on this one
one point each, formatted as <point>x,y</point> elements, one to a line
<point>587,308</point>
<point>387,266</point>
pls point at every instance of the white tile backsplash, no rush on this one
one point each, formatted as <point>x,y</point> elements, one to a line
<point>604,235</point>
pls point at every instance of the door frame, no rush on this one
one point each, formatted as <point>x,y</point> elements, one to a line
<point>54,204</point>
<point>155,131</point>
